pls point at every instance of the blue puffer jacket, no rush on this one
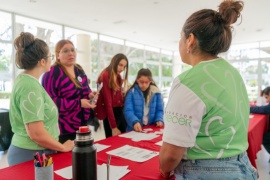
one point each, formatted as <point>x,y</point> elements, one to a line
<point>134,106</point>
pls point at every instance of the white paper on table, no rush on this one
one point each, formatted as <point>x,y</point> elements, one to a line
<point>147,129</point>
<point>139,136</point>
<point>65,172</point>
<point>116,172</point>
<point>101,147</point>
<point>251,116</point>
<point>133,153</point>
<point>159,143</point>
<point>158,132</point>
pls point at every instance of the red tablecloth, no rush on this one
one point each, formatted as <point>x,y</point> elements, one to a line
<point>139,171</point>
<point>257,127</point>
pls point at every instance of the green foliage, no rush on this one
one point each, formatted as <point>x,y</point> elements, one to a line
<point>4,63</point>
<point>134,68</point>
<point>5,95</point>
<point>167,71</point>
<point>166,59</point>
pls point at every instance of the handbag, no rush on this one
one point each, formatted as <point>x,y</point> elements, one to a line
<point>93,121</point>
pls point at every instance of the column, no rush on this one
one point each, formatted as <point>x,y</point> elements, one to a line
<point>84,53</point>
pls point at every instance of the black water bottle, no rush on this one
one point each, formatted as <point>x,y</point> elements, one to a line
<point>84,156</point>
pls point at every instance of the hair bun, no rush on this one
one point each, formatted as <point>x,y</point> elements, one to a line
<point>230,11</point>
<point>24,41</point>
<point>218,18</point>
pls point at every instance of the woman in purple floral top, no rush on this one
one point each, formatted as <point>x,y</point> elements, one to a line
<point>67,85</point>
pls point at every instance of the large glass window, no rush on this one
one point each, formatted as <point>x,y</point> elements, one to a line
<point>5,27</point>
<point>50,33</point>
<point>251,59</point>
<point>152,59</point>
<point>154,68</point>
<point>5,59</point>
<point>109,47</point>
<point>166,68</point>
<point>249,72</point>
<point>135,55</point>
<point>5,74</point>
<point>152,54</point>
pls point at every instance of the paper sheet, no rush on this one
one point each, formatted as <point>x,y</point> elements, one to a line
<point>159,143</point>
<point>116,172</point>
<point>133,153</point>
<point>139,136</point>
<point>65,172</point>
<point>101,147</point>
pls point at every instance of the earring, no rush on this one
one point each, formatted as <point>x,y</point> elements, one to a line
<point>188,51</point>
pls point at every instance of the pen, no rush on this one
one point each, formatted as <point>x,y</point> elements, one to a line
<point>44,159</point>
<point>39,159</point>
<point>108,167</point>
<point>49,161</point>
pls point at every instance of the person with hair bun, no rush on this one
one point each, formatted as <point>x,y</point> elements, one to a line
<point>67,84</point>
<point>33,114</point>
<point>207,114</point>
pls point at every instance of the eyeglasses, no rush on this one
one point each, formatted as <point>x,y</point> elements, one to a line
<point>51,56</point>
<point>66,51</point>
<point>144,82</point>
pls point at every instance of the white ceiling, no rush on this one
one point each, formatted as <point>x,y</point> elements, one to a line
<point>151,22</point>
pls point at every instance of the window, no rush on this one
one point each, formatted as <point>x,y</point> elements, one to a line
<point>5,27</point>
<point>5,59</point>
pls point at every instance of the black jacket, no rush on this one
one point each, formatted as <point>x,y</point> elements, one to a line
<point>260,109</point>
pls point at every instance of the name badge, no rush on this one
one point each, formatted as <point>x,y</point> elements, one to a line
<point>79,78</point>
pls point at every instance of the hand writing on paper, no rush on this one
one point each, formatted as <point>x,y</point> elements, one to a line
<point>137,127</point>
<point>159,124</point>
<point>115,131</point>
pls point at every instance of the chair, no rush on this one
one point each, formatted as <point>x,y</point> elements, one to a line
<point>5,130</point>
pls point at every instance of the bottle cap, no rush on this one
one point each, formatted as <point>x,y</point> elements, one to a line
<point>83,129</point>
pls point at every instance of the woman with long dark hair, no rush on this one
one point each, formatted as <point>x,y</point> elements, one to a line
<point>111,98</point>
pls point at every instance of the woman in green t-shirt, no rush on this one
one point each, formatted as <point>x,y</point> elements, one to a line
<point>33,114</point>
<point>207,114</point>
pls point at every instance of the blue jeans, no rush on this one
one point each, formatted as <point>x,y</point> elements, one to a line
<point>236,167</point>
<point>16,155</point>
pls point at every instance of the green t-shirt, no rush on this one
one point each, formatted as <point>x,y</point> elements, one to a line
<point>30,103</point>
<point>208,111</point>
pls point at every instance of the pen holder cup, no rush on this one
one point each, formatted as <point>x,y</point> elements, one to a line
<point>44,173</point>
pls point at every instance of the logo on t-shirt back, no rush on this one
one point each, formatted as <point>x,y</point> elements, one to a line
<point>176,118</point>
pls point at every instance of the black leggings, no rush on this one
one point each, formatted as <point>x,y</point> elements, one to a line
<point>120,122</point>
<point>266,141</point>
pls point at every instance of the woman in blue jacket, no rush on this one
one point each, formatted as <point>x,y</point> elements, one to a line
<point>143,102</point>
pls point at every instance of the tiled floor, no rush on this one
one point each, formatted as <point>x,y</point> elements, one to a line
<point>262,157</point>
